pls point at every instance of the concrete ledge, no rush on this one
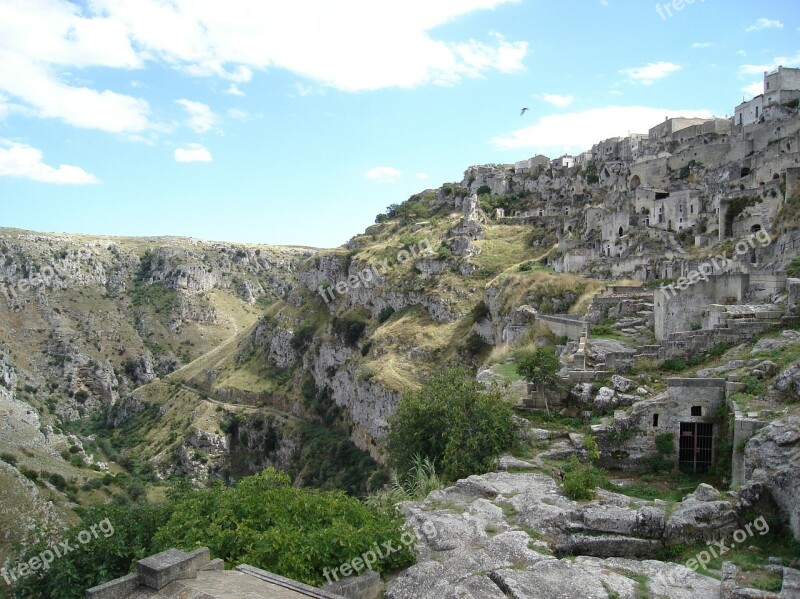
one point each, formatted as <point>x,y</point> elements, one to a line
<point>116,589</point>
<point>686,382</point>
<point>287,583</point>
<point>157,571</point>
<point>366,586</point>
<point>214,564</point>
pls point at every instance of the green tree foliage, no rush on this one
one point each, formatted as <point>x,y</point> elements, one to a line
<point>102,558</point>
<point>539,366</point>
<point>262,521</point>
<point>265,522</point>
<point>581,480</point>
<point>453,421</point>
<point>591,173</point>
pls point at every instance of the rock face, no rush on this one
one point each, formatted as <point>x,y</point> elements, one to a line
<point>772,460</point>
<point>475,542</point>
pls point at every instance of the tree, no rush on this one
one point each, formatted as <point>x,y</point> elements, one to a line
<point>539,367</point>
<point>453,421</point>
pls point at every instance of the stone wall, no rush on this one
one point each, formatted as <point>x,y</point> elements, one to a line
<point>680,310</point>
<point>562,325</point>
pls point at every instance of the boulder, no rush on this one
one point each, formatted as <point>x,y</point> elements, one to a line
<point>788,381</point>
<point>772,458</point>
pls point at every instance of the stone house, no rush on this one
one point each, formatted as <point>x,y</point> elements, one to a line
<point>688,416</point>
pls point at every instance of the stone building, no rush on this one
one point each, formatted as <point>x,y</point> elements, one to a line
<point>687,416</point>
<point>780,86</point>
<point>663,131</point>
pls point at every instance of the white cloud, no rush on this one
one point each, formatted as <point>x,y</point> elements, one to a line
<point>201,117</point>
<point>238,114</point>
<point>576,132</point>
<point>741,53</point>
<point>764,23</point>
<point>651,72</point>
<point>48,97</point>
<point>26,162</point>
<point>758,69</point>
<point>558,100</point>
<point>701,45</point>
<point>422,176</point>
<point>754,89</point>
<point>352,46</point>
<point>383,174</point>
<point>234,90</point>
<point>192,153</point>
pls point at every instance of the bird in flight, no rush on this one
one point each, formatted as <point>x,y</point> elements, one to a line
<point>523,111</point>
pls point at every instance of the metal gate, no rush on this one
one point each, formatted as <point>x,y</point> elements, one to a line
<point>695,447</point>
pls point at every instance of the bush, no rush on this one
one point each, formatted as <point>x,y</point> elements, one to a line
<point>302,338</point>
<point>581,480</point>
<point>57,481</point>
<point>385,314</point>
<point>673,365</point>
<point>30,474</point>
<point>665,443</point>
<point>539,367</point>
<point>8,458</point>
<point>265,522</point>
<point>452,421</point>
<point>123,539</point>
<point>350,327</point>
<point>591,447</point>
<point>753,386</point>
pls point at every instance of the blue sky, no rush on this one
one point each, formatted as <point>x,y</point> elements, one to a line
<point>297,122</point>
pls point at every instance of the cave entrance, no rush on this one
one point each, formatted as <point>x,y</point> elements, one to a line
<point>696,447</point>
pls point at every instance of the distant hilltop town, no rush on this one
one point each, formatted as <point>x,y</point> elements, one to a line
<point>652,200</point>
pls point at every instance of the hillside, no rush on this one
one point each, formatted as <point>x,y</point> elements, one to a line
<point>85,320</point>
<point>129,364</point>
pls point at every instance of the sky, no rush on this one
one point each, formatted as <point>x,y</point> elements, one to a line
<point>296,122</point>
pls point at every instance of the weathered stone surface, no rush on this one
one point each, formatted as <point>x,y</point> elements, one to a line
<point>789,380</point>
<point>620,383</point>
<point>772,458</point>
<point>478,551</point>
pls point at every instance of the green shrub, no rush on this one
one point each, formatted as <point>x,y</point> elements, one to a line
<point>581,480</point>
<point>673,365</point>
<point>665,443</point>
<point>753,386</point>
<point>539,366</point>
<point>8,458</point>
<point>57,481</point>
<point>121,540</point>
<point>30,474</point>
<point>350,327</point>
<point>302,338</point>
<point>591,447</point>
<point>265,522</point>
<point>454,422</point>
<point>385,314</point>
